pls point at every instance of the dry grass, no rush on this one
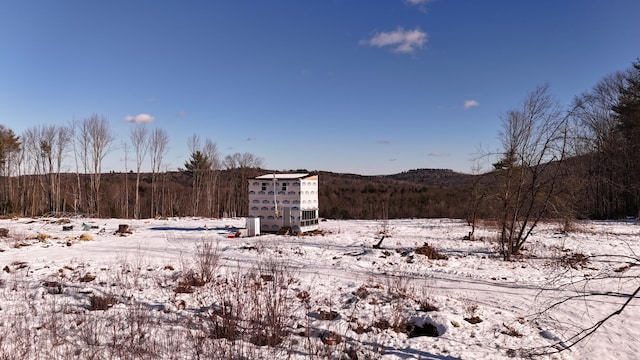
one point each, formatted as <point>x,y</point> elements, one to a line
<point>430,252</point>
<point>574,260</point>
<point>101,302</point>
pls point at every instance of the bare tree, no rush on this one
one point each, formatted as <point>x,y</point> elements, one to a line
<point>210,151</point>
<point>534,140</point>
<point>81,157</point>
<point>38,162</point>
<point>158,147</point>
<point>95,142</point>
<point>125,198</point>
<point>63,139</point>
<point>46,147</point>
<point>240,164</point>
<point>599,143</point>
<point>140,140</point>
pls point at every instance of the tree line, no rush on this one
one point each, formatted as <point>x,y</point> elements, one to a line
<point>32,180</point>
<point>575,161</point>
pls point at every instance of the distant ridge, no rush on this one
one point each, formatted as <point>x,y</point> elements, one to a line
<point>439,177</point>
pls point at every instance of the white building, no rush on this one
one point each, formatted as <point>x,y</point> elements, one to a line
<point>284,201</point>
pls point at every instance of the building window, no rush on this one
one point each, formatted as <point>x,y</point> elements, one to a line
<point>263,187</point>
<point>309,217</point>
<point>284,186</point>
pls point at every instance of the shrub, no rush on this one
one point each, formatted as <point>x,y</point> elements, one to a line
<point>430,252</point>
<point>575,260</point>
<point>188,281</point>
<point>206,261</point>
<point>100,302</point>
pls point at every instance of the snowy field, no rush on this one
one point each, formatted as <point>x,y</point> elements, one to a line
<point>190,288</point>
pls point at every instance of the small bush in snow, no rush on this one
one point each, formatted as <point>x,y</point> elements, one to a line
<point>100,302</point>
<point>430,252</point>
<point>206,260</point>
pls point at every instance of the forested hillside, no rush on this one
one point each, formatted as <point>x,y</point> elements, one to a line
<point>345,196</point>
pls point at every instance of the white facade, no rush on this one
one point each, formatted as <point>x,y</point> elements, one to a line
<point>284,200</point>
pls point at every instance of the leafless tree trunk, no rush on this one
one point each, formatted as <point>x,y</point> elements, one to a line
<point>81,156</point>
<point>210,150</point>
<point>95,139</point>
<point>46,146</point>
<point>63,135</point>
<point>158,146</point>
<point>37,151</point>
<point>125,200</point>
<point>140,140</point>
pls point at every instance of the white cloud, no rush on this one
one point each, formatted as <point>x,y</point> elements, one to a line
<point>468,104</point>
<point>421,4</point>
<point>140,119</point>
<point>402,41</point>
<point>439,154</point>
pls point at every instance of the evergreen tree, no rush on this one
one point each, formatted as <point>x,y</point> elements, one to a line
<point>198,163</point>
<point>9,143</point>
<point>9,146</point>
<point>197,167</point>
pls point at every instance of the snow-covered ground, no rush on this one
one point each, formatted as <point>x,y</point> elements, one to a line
<point>187,288</point>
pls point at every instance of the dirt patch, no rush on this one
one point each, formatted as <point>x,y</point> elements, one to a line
<point>426,329</point>
<point>473,320</point>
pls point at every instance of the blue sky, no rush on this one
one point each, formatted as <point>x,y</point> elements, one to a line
<point>367,87</point>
